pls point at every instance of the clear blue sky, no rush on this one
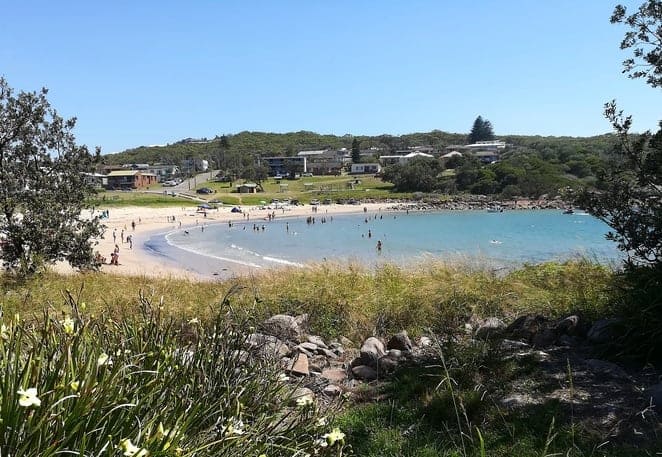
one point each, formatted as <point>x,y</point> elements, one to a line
<point>147,72</point>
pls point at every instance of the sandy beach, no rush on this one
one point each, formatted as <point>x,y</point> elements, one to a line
<point>136,260</point>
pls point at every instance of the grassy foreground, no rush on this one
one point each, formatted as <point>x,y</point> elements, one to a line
<point>177,384</point>
<point>347,300</point>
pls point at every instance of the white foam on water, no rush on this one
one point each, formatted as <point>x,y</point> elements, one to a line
<point>204,254</point>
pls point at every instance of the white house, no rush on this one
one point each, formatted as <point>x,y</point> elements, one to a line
<point>364,168</point>
<point>403,159</point>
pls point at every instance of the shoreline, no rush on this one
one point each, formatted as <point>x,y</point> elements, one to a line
<point>150,222</point>
<point>148,227</point>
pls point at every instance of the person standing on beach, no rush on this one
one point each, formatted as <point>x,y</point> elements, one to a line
<point>122,236</point>
<point>114,236</point>
<point>129,239</point>
<point>379,245</point>
<point>133,225</point>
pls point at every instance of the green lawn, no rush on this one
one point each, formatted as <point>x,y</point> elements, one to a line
<point>305,189</point>
<point>137,198</point>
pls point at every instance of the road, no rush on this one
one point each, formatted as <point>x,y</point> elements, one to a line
<point>192,183</point>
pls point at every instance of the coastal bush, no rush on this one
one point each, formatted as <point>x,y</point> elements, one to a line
<point>146,385</point>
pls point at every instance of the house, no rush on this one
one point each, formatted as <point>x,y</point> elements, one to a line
<point>363,168</point>
<point>487,156</point>
<point>163,172</point>
<point>247,188</point>
<point>129,179</point>
<point>281,166</point>
<point>190,166</point>
<point>326,161</point>
<point>423,149</point>
<point>403,159</point>
<point>452,154</point>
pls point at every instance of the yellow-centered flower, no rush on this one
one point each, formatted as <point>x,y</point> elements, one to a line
<point>28,397</point>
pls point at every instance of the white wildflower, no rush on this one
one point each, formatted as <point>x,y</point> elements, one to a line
<point>130,450</point>
<point>336,436</point>
<point>68,325</point>
<point>233,427</point>
<point>28,397</point>
<point>305,400</point>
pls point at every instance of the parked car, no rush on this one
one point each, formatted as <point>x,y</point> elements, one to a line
<point>307,175</point>
<point>204,190</point>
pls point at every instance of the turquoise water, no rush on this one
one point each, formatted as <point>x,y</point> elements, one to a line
<point>508,238</point>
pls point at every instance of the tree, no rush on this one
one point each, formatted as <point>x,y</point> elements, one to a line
<point>43,186</point>
<point>356,150</point>
<point>645,39</point>
<point>481,131</point>
<point>630,196</point>
<point>420,174</point>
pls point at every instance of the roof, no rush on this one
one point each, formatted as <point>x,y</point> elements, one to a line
<point>312,153</point>
<point>128,173</point>
<point>418,154</point>
<point>123,173</point>
<point>485,153</point>
<point>451,154</point>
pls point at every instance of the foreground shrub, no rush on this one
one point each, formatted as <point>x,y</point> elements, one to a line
<point>75,384</point>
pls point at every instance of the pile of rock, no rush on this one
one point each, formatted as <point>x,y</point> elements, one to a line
<point>329,369</point>
<point>333,367</point>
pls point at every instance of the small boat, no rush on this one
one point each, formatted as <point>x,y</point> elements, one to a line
<point>494,209</point>
<point>569,211</point>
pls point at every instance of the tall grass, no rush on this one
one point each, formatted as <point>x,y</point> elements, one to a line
<point>146,385</point>
<point>346,299</point>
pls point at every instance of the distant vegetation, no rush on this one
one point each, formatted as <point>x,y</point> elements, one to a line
<point>529,167</point>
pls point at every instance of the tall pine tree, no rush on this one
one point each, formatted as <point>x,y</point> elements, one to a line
<point>481,131</point>
<point>356,151</point>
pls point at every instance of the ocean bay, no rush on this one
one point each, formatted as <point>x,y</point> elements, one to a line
<point>503,239</point>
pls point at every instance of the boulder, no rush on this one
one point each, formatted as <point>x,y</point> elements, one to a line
<point>332,390</point>
<point>302,321</point>
<point>512,345</point>
<point>606,368</point>
<point>387,365</point>
<point>570,326</point>
<point>425,341</point>
<point>371,351</point>
<point>365,373</point>
<point>307,348</point>
<point>317,341</point>
<point>334,375</point>
<point>300,392</point>
<point>274,349</point>
<point>329,354</point>
<point>300,365</point>
<point>526,327</point>
<point>400,341</point>
<point>283,327</point>
<point>492,327</point>
<point>544,338</point>
<point>603,331</point>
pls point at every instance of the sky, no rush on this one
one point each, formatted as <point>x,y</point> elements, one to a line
<point>145,72</point>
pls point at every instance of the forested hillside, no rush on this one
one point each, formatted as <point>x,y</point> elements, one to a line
<point>270,144</point>
<point>530,165</point>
